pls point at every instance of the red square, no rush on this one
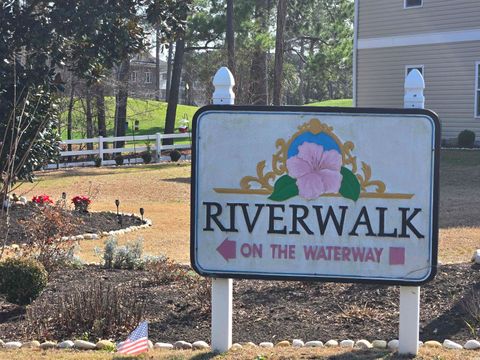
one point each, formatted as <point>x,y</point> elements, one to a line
<point>397,256</point>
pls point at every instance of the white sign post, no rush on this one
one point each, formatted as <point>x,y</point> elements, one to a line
<point>222,297</point>
<point>409,322</point>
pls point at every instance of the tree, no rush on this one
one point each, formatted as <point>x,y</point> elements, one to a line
<point>89,115</point>
<point>27,115</point>
<point>157,64</point>
<point>71,102</point>
<point>174,88</point>
<point>258,69</point>
<point>319,41</point>
<point>121,102</point>
<point>100,104</point>
<point>230,37</point>
<point>279,49</point>
<point>90,37</point>
<point>181,10</point>
<point>317,52</point>
<point>169,70</point>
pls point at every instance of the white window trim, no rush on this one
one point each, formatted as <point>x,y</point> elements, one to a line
<point>477,90</point>
<point>150,77</point>
<point>411,7</point>
<point>414,66</point>
<point>134,76</point>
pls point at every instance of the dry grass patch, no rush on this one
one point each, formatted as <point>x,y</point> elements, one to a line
<point>458,244</point>
<point>162,190</point>
<point>361,312</point>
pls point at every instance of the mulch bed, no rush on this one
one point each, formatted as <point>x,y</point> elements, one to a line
<point>269,310</point>
<point>82,223</point>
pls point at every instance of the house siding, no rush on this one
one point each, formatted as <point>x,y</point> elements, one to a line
<point>383,18</point>
<point>449,71</point>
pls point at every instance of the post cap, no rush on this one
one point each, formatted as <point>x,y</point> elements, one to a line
<point>414,80</point>
<point>223,77</point>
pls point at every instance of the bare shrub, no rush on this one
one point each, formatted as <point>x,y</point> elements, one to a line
<point>359,313</point>
<point>100,310</point>
<point>471,305</point>
<point>165,271</point>
<point>46,228</point>
<point>203,292</point>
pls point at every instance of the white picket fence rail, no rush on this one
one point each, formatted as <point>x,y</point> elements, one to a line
<point>154,142</point>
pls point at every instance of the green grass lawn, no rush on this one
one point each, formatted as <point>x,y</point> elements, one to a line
<point>337,102</point>
<point>149,113</point>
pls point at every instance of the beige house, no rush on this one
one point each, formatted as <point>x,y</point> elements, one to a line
<point>441,38</point>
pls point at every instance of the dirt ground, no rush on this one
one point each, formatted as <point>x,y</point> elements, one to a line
<point>79,223</point>
<point>179,309</point>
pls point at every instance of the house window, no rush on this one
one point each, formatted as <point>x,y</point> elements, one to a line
<point>148,77</point>
<point>477,89</point>
<point>133,76</point>
<point>409,68</point>
<point>413,4</point>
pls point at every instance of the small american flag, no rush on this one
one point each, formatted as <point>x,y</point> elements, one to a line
<point>137,341</point>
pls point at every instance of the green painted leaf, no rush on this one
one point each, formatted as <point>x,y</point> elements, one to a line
<point>350,187</point>
<point>284,188</point>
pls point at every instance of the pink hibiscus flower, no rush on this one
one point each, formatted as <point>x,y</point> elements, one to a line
<point>317,171</point>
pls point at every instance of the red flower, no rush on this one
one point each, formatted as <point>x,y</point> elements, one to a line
<point>81,202</point>
<point>42,199</point>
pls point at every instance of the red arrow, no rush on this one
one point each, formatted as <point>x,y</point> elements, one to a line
<point>228,249</point>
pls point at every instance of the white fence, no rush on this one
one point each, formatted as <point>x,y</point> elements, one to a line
<point>150,142</point>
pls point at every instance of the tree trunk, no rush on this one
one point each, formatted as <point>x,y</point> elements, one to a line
<point>121,102</point>
<point>89,115</point>
<point>230,38</point>
<point>169,71</point>
<point>100,102</point>
<point>174,89</point>
<point>258,69</point>
<point>70,113</point>
<point>309,84</point>
<point>279,49</point>
<point>301,75</point>
<point>157,65</point>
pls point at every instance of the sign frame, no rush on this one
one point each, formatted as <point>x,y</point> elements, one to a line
<point>318,110</point>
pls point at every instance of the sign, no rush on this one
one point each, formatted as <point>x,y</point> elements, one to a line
<point>310,193</point>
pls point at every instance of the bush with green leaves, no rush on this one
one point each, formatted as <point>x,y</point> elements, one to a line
<point>175,155</point>
<point>128,256</point>
<point>147,157</point>
<point>466,139</point>
<point>22,280</point>
<point>119,159</point>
